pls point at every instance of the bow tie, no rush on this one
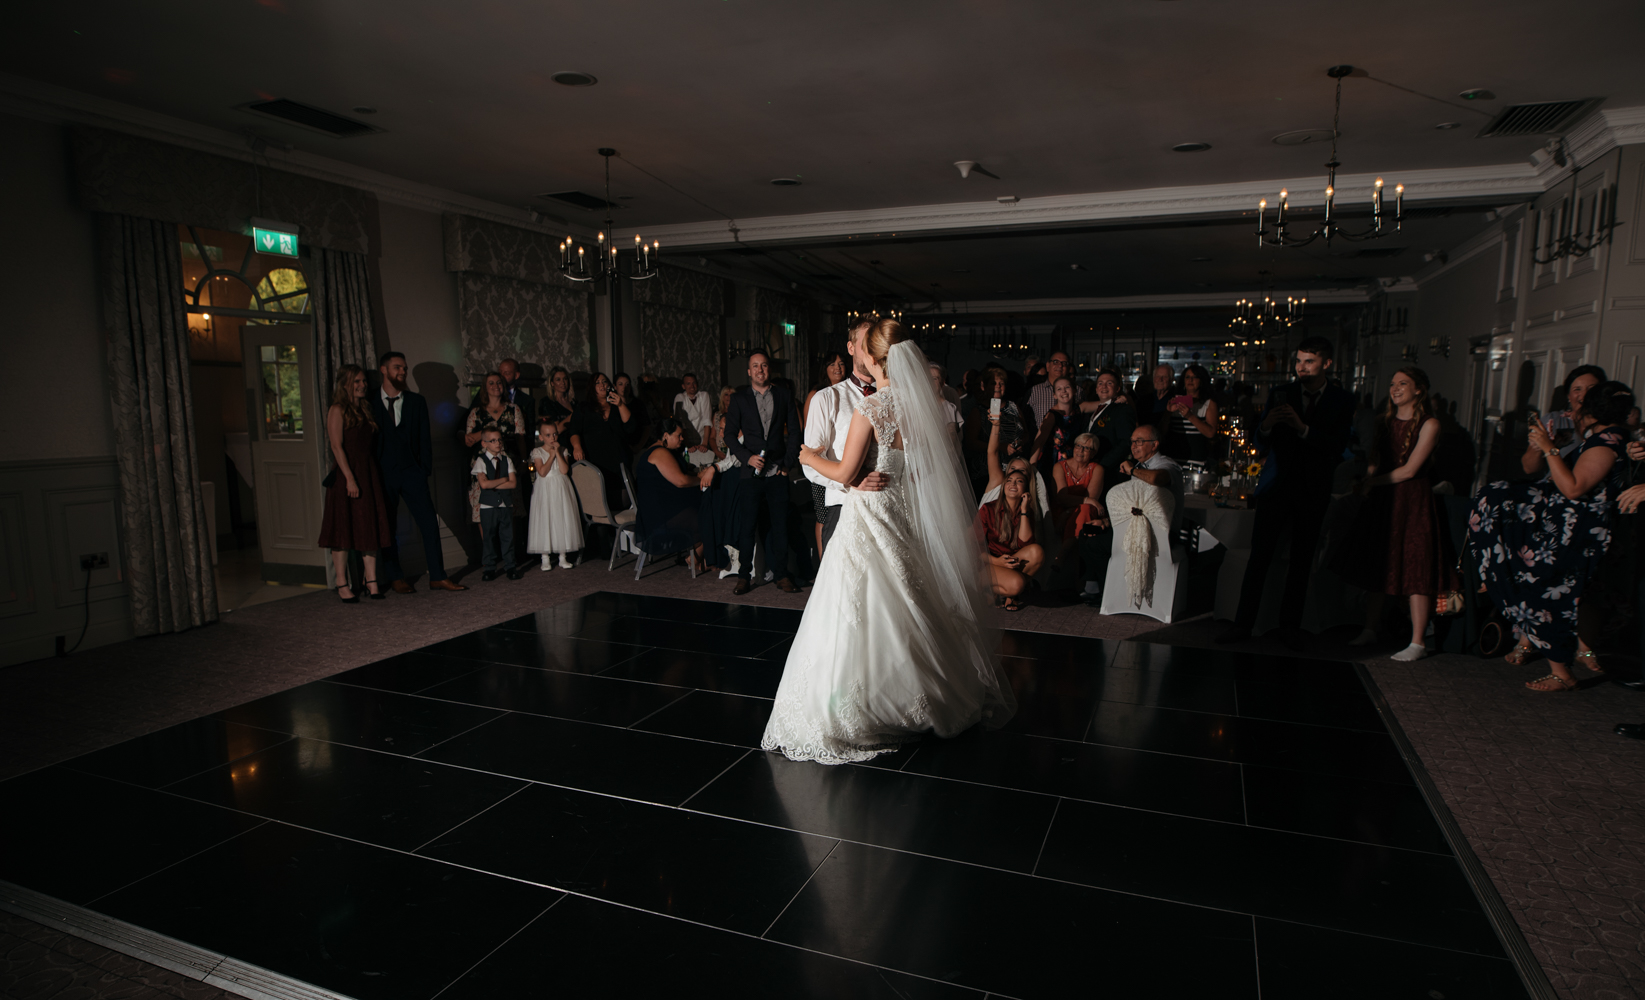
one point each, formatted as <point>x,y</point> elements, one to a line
<point>867,388</point>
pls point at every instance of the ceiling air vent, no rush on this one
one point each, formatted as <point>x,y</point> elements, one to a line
<point>313,118</point>
<point>1545,118</point>
<point>586,202</point>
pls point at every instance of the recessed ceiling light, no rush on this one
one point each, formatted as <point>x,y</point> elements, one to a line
<point>572,78</point>
<point>1190,147</point>
<point>363,110</point>
<point>786,182</point>
<point>1302,137</point>
<point>1477,94</point>
<point>1444,126</point>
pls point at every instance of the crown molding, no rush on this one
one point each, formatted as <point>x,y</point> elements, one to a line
<point>46,102</point>
<point>1481,242</point>
<point>1114,303</point>
<point>1489,184</point>
<point>1593,137</point>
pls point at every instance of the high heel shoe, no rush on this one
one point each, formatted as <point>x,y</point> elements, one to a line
<point>346,600</point>
<point>375,595</point>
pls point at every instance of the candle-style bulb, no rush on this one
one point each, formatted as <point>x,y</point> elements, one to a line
<point>1379,183</point>
<point>602,237</point>
<point>1284,194</point>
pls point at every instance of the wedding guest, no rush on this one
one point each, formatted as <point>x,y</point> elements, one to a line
<point>1306,426</point>
<point>1042,397</point>
<point>1078,490</point>
<point>763,430</point>
<point>670,498</point>
<point>1191,419</point>
<point>556,524</point>
<point>405,454</point>
<point>1538,543</point>
<point>1055,439</point>
<point>356,518</point>
<point>600,433</point>
<point>950,408</point>
<point>723,403</point>
<point>1150,397</point>
<point>1006,525</point>
<point>560,403</point>
<point>719,521</point>
<point>645,418</point>
<point>978,427</point>
<point>695,412</point>
<point>517,394</point>
<point>496,475</point>
<point>492,411</point>
<point>1398,544</point>
<point>834,370</point>
<point>1110,422</point>
<point>1151,465</point>
<point>1561,424</point>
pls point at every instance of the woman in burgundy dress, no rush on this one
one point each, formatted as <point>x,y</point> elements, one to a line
<point>356,518</point>
<point>1402,549</point>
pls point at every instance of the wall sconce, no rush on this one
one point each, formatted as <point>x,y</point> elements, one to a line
<point>1409,353</point>
<point>1440,346</point>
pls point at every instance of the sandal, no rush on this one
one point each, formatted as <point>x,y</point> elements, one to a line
<point>1519,655</point>
<point>1587,658</point>
<point>1012,604</point>
<point>1551,684</point>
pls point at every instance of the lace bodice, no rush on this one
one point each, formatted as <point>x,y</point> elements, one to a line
<point>883,455</point>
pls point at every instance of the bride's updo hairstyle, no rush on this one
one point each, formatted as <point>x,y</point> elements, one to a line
<point>881,336</point>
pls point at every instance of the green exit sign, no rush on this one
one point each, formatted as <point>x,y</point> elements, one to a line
<point>788,329</point>
<point>274,241</point>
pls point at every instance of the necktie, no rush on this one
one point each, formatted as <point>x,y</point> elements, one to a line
<point>867,388</point>
<point>394,405</point>
<point>1309,399</point>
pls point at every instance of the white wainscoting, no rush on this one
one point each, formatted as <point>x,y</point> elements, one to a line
<point>51,513</point>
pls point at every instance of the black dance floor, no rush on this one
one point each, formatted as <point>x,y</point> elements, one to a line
<point>574,803</point>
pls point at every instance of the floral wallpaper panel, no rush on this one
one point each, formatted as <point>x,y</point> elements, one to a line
<point>676,341</point>
<point>679,288</point>
<point>531,322</point>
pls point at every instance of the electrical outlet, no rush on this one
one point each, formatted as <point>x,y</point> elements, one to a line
<point>94,560</point>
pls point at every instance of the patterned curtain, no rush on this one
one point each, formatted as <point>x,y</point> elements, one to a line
<point>167,554</point>
<point>342,315</point>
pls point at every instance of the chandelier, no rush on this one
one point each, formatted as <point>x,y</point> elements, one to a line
<point>1329,229</point>
<point>1573,236</point>
<point>1256,318</point>
<point>1379,319</point>
<point>579,264</point>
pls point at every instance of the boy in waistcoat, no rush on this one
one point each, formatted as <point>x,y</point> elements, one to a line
<point>495,472</point>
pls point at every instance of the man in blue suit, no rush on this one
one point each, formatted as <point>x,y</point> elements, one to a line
<point>764,416</point>
<point>1306,425</point>
<point>405,455</point>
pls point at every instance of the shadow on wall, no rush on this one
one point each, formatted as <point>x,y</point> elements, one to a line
<point>447,411</point>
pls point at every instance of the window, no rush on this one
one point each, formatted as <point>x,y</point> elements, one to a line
<point>227,284</point>
<point>282,393</point>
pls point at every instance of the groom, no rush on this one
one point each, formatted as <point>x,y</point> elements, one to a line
<point>829,420</point>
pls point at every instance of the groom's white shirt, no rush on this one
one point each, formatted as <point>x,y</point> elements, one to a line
<point>827,423</point>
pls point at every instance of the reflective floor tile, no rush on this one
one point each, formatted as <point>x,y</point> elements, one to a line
<point>551,692</point>
<point>1053,647</point>
<point>709,671</point>
<point>587,948</point>
<point>989,826</point>
<point>342,713</point>
<point>1289,703</point>
<point>708,715</point>
<point>77,836</point>
<point>563,619</point>
<point>1054,698</point>
<point>697,638</point>
<point>1404,895</point>
<point>527,649</point>
<point>1305,963</point>
<point>1317,749</point>
<point>1259,668</point>
<point>407,673</point>
<point>702,868</point>
<point>666,608</point>
<point>1016,935</point>
<point>395,801</point>
<point>1182,785</point>
<point>771,619</point>
<point>177,752</point>
<point>624,762</point>
<point>351,918</point>
<point>1373,812</point>
<point>1195,691</point>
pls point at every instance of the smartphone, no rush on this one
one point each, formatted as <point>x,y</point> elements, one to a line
<point>994,407</point>
<point>1187,401</point>
<point>1277,398</point>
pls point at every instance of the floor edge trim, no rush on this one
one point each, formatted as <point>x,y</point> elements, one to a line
<point>1531,972</point>
<point>210,967</point>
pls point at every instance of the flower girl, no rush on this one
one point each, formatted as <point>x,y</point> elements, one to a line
<point>556,524</point>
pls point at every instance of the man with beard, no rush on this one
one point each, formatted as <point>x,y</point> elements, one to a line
<point>405,454</point>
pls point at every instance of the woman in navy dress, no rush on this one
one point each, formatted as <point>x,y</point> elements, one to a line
<point>1538,543</point>
<point>670,497</point>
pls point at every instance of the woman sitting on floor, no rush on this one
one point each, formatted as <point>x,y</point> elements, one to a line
<point>1006,525</point>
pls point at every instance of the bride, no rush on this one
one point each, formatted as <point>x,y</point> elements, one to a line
<point>894,641</point>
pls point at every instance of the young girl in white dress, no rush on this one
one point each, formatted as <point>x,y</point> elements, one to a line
<point>556,524</point>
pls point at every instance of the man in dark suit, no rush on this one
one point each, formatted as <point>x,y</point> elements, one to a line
<point>764,415</point>
<point>405,455</point>
<point>509,369</point>
<point>1306,425</point>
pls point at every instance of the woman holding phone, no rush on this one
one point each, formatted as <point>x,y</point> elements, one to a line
<point>1191,419</point>
<point>600,435</point>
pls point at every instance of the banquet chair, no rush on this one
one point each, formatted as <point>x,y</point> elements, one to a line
<point>628,535</point>
<point>1170,594</point>
<point>589,483</point>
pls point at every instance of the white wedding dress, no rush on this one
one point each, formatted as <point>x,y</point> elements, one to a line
<point>894,641</point>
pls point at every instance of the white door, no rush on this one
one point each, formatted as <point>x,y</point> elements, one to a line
<point>287,429</point>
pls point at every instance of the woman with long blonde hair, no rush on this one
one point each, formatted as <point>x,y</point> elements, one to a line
<point>356,517</point>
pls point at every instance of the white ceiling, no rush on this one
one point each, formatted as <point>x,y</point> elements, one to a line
<point>867,102</point>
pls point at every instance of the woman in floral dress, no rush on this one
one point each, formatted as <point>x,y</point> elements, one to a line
<point>1538,543</point>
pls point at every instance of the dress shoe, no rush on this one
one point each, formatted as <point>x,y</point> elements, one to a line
<point>516,573</point>
<point>444,585</point>
<point>742,587</point>
<point>788,586</point>
<point>1233,633</point>
<point>1632,730</point>
<point>405,587</point>
<point>489,575</point>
